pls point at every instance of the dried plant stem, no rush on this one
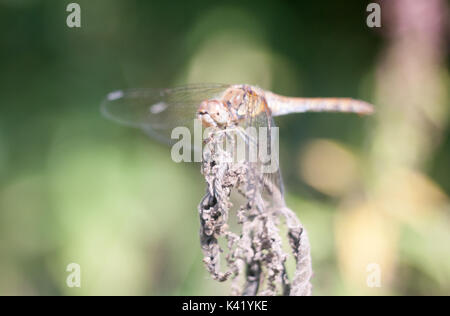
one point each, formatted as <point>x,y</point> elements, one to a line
<point>255,258</point>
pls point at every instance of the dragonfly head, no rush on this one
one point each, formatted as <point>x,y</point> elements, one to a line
<point>213,113</point>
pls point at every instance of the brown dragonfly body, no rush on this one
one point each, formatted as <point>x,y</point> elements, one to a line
<point>241,102</point>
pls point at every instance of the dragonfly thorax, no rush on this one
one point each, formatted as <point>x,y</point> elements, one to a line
<point>238,103</point>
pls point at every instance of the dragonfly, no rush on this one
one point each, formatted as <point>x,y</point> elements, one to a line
<point>222,107</point>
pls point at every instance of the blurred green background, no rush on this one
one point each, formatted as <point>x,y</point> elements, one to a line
<point>75,187</point>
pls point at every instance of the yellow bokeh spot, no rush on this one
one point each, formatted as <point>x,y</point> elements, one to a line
<point>328,167</point>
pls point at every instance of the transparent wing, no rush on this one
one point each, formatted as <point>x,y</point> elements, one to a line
<point>266,175</point>
<point>158,112</point>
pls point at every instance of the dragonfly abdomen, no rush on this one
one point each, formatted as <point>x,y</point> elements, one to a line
<point>280,105</point>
